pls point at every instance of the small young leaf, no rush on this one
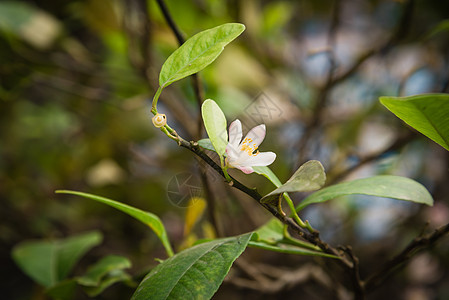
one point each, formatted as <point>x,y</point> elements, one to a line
<point>146,218</point>
<point>198,52</point>
<point>309,177</point>
<point>206,144</point>
<point>386,186</point>
<point>427,113</point>
<point>195,273</point>
<point>99,270</point>
<point>271,232</point>
<point>49,262</point>
<point>215,124</point>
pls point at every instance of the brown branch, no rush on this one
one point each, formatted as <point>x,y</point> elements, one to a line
<point>323,94</point>
<point>399,260</point>
<point>196,82</point>
<point>312,237</point>
<point>397,144</point>
<point>333,79</point>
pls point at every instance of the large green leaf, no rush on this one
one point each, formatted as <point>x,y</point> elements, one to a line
<point>198,52</point>
<point>427,113</point>
<point>195,273</point>
<point>309,177</point>
<point>387,186</point>
<point>49,262</point>
<point>145,217</point>
<point>215,124</point>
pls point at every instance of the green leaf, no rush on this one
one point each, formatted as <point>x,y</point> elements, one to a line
<point>198,52</point>
<point>64,290</point>
<point>113,277</point>
<point>215,124</point>
<point>206,144</point>
<point>271,232</point>
<point>49,262</point>
<point>309,177</point>
<point>271,237</point>
<point>147,218</point>
<point>266,171</point>
<point>427,113</point>
<point>103,267</point>
<point>441,27</point>
<point>195,273</point>
<point>289,249</point>
<point>387,186</point>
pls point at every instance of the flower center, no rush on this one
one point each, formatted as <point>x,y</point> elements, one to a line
<point>248,147</point>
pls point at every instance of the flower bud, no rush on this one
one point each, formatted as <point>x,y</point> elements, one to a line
<point>159,120</point>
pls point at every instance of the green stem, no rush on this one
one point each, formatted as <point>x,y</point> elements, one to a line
<point>288,239</point>
<point>293,211</point>
<point>225,170</point>
<point>155,99</point>
<point>170,135</point>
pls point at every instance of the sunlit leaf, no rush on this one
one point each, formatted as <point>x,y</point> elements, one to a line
<point>215,124</point>
<point>49,262</point>
<point>198,52</point>
<point>147,218</point>
<point>427,113</point>
<point>309,177</point>
<point>386,186</point>
<point>194,211</point>
<point>195,273</point>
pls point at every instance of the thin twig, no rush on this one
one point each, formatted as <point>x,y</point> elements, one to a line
<point>196,82</point>
<point>399,34</point>
<point>399,260</point>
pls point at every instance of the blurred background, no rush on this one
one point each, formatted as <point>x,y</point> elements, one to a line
<point>76,82</point>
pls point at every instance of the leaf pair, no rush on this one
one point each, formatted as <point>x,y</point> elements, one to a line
<point>49,262</point>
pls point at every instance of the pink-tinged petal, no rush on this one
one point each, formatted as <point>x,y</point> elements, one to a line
<point>261,159</point>
<point>246,170</point>
<point>256,135</point>
<point>235,133</point>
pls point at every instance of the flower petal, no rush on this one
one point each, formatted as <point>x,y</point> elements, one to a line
<point>256,135</point>
<point>235,133</point>
<point>261,159</point>
<point>246,170</point>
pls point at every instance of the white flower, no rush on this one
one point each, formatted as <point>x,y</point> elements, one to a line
<point>243,154</point>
